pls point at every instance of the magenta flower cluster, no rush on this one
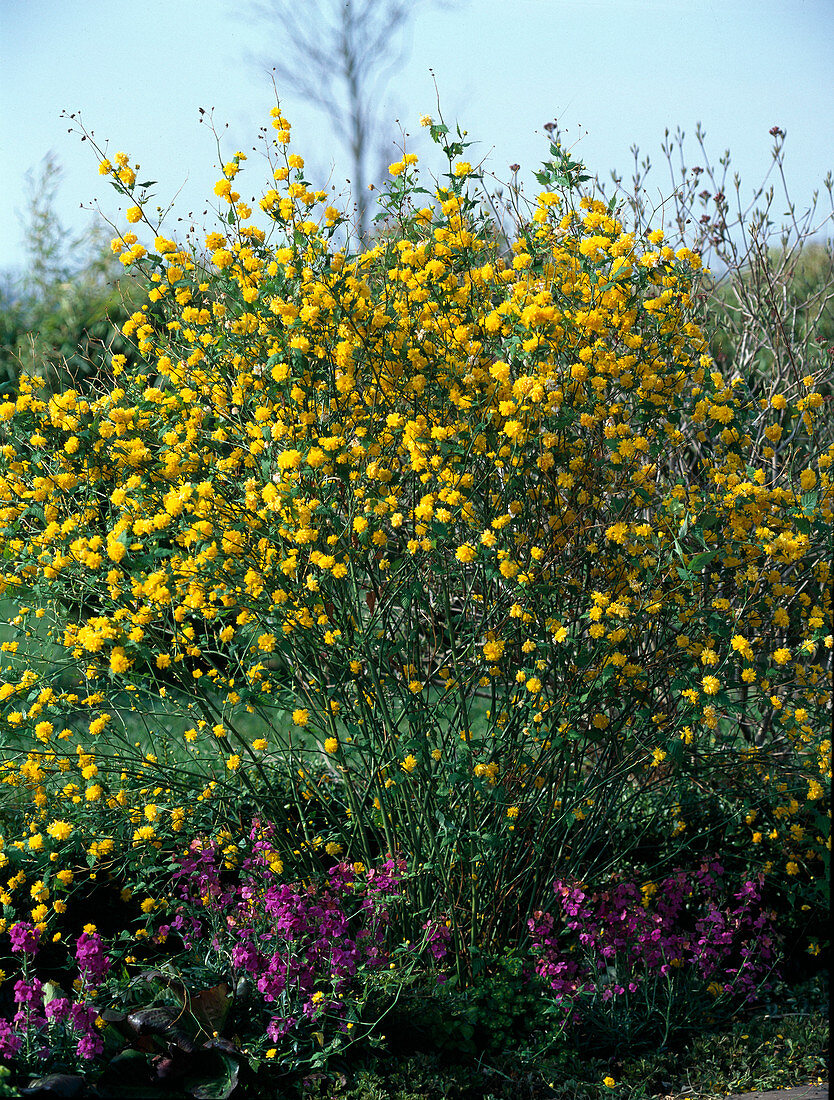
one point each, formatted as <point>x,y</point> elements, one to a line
<point>300,946</point>
<point>438,936</point>
<point>92,959</point>
<point>608,943</point>
<point>24,938</point>
<point>35,1018</point>
<point>303,949</point>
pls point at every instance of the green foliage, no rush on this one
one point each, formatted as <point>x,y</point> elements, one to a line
<point>503,1008</point>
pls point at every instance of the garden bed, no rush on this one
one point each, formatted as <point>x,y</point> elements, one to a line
<point>416,680</point>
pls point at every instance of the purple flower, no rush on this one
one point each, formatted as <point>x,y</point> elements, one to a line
<point>279,1026</point>
<point>58,1009</point>
<point>245,956</point>
<point>29,997</point>
<point>28,993</point>
<point>10,1041</point>
<point>288,937</point>
<point>89,1045</point>
<point>25,938</point>
<point>613,928</point>
<point>93,962</point>
<point>439,935</point>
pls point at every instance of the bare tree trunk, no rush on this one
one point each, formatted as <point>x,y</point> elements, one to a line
<point>339,56</point>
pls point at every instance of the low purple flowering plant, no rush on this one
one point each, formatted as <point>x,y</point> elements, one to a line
<point>46,1024</point>
<point>627,950</point>
<point>302,950</point>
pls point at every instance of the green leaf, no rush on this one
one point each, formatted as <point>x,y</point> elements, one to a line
<point>700,560</point>
<point>217,1082</point>
<point>803,525</point>
<point>51,992</point>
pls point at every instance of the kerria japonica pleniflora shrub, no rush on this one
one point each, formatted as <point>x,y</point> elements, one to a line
<point>386,547</point>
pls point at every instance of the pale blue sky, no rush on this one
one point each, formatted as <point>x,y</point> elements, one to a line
<point>614,72</point>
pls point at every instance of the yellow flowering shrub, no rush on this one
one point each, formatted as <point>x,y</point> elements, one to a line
<point>420,510</point>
